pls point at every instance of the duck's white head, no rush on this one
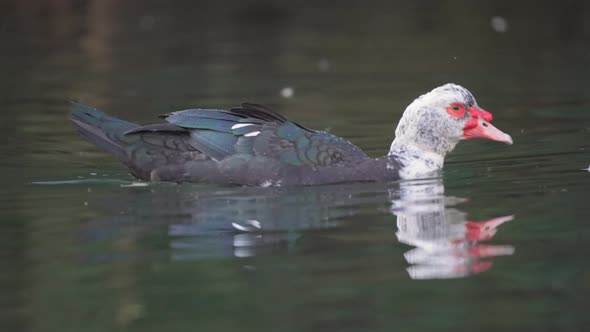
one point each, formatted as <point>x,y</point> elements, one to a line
<point>435,122</point>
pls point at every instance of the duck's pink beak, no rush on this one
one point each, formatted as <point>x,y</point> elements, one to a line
<point>479,126</point>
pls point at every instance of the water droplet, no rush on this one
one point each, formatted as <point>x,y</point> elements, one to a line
<point>324,65</point>
<point>287,92</point>
<point>499,24</point>
<point>135,184</point>
<point>147,22</point>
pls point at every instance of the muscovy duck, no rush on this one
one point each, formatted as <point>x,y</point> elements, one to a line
<point>254,145</point>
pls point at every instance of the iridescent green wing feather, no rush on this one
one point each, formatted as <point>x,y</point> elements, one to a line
<point>258,131</point>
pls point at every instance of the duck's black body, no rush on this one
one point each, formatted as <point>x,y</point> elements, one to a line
<point>247,145</point>
<point>253,145</point>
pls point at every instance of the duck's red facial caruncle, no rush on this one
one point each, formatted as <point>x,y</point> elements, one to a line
<point>456,110</point>
<point>479,126</point>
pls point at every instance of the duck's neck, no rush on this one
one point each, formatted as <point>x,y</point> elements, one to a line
<point>416,161</point>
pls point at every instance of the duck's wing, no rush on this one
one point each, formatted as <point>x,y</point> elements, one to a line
<point>258,131</point>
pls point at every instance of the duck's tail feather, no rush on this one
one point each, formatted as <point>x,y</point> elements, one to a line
<point>101,129</point>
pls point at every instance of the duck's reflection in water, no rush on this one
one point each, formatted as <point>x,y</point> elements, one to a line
<point>447,244</point>
<point>257,221</point>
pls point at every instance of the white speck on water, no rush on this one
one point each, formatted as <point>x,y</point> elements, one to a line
<point>287,92</point>
<point>522,131</point>
<point>499,24</point>
<point>586,169</point>
<point>135,184</point>
<point>455,58</point>
<point>85,203</point>
<point>131,93</point>
<point>93,174</point>
<point>147,22</point>
<point>324,65</point>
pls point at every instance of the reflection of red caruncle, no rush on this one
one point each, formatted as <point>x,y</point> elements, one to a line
<point>484,230</point>
<point>459,254</point>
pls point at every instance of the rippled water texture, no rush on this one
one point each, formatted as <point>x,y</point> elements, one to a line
<point>497,243</point>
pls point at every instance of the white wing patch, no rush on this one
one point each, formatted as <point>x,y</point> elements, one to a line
<point>252,134</point>
<point>250,225</point>
<point>241,125</point>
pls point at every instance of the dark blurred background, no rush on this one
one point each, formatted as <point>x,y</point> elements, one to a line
<point>163,52</point>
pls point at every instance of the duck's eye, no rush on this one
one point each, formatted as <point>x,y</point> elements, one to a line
<point>456,110</point>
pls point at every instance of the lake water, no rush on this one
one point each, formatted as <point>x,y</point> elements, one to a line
<point>497,243</point>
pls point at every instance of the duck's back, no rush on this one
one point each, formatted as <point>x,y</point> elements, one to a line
<point>250,145</point>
